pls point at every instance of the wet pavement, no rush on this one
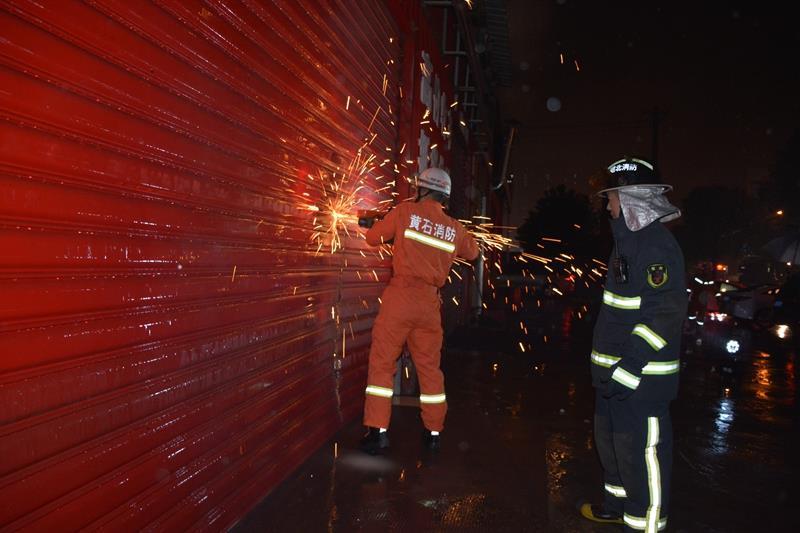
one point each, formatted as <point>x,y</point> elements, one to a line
<point>517,451</point>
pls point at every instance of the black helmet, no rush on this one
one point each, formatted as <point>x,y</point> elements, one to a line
<point>632,171</point>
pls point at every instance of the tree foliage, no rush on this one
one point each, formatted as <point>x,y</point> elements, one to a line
<point>725,224</point>
<point>782,190</point>
<point>568,216</point>
<point>715,223</point>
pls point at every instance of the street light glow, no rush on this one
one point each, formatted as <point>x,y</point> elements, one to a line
<point>782,331</point>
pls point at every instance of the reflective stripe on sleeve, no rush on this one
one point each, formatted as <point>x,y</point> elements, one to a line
<point>621,302</point>
<point>604,359</point>
<point>661,368</point>
<point>429,241</point>
<point>432,398</point>
<point>653,368</point>
<point>621,375</point>
<point>651,337</point>
<point>617,491</point>
<point>639,524</point>
<point>383,392</point>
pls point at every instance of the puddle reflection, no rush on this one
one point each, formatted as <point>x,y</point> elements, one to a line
<point>722,425</point>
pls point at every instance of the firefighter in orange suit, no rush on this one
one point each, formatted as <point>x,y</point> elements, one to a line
<point>425,242</point>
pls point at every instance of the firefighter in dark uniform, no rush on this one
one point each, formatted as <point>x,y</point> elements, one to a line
<point>636,350</point>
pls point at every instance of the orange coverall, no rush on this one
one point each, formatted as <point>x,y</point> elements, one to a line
<point>426,242</point>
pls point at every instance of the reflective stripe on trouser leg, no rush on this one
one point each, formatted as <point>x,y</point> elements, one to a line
<point>653,475</point>
<point>388,336</point>
<point>432,398</point>
<point>615,490</point>
<point>376,390</point>
<point>604,443</point>
<point>638,523</point>
<point>425,345</point>
<point>643,444</point>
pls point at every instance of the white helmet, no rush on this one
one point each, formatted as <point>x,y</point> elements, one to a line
<point>435,179</point>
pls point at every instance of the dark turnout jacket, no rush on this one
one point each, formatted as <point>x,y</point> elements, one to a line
<point>637,336</point>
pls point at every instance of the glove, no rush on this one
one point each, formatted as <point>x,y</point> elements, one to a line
<point>366,222</point>
<point>366,219</point>
<point>622,381</point>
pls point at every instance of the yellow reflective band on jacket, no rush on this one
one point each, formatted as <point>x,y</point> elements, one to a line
<point>429,241</point>
<point>651,337</point>
<point>661,368</point>
<point>621,302</point>
<point>621,375</point>
<point>617,491</point>
<point>432,398</point>
<point>603,359</point>
<point>653,368</point>
<point>383,392</point>
<point>640,524</point>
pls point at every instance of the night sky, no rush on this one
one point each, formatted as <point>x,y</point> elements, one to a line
<point>725,75</point>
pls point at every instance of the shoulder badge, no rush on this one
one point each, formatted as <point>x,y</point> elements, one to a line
<point>657,275</point>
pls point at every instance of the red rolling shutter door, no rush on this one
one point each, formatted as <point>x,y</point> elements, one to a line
<point>168,329</point>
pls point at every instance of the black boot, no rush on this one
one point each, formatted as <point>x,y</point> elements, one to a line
<point>374,441</point>
<point>596,513</point>
<point>431,442</point>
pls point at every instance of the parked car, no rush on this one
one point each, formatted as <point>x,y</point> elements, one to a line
<point>704,299</point>
<point>786,310</point>
<point>719,337</point>
<point>711,324</point>
<point>753,303</point>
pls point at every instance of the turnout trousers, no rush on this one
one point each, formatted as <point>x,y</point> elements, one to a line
<point>409,314</point>
<point>634,442</point>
